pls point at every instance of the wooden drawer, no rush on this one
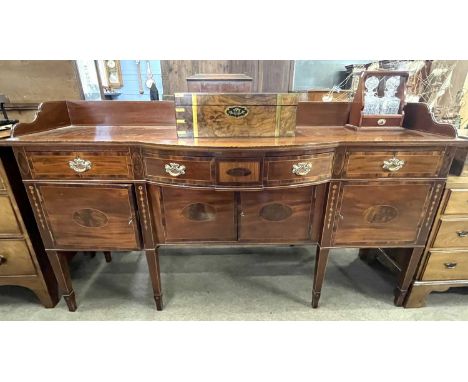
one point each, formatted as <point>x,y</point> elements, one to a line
<point>91,216</point>
<point>452,233</point>
<point>392,164</point>
<point>239,172</point>
<point>80,165</point>
<point>8,222</point>
<point>179,169</point>
<point>446,266</point>
<point>15,259</point>
<point>457,203</point>
<point>298,169</point>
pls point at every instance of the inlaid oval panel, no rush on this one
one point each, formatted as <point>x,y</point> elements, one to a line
<point>90,218</point>
<point>199,212</point>
<point>239,171</point>
<point>275,212</point>
<point>380,214</point>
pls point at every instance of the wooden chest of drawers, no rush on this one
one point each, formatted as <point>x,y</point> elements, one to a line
<point>445,261</point>
<point>23,261</point>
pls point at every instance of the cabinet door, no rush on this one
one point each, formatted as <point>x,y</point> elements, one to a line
<point>91,217</point>
<point>276,215</point>
<point>380,213</point>
<point>198,215</point>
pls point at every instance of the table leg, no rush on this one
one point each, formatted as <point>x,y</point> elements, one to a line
<point>152,258</point>
<point>407,275</point>
<point>108,256</point>
<point>321,258</point>
<point>61,270</point>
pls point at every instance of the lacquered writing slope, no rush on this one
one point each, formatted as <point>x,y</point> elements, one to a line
<point>112,176</point>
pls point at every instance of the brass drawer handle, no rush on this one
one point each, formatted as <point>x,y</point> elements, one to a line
<point>175,169</point>
<point>450,265</point>
<point>80,165</point>
<point>393,164</point>
<point>301,168</point>
<point>3,260</point>
<point>462,233</point>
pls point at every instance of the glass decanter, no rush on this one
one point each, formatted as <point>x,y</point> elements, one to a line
<point>390,102</point>
<point>371,100</point>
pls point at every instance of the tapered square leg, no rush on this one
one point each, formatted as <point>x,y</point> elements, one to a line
<point>61,270</point>
<point>108,256</point>
<point>321,258</point>
<point>407,276</point>
<point>152,258</point>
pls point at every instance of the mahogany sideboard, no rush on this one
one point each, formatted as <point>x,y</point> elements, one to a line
<point>113,176</point>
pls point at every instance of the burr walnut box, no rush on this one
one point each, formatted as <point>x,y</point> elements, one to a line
<point>235,115</point>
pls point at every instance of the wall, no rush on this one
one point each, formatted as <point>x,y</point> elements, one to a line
<point>130,90</point>
<point>36,81</point>
<point>39,81</point>
<point>316,74</point>
<point>268,76</point>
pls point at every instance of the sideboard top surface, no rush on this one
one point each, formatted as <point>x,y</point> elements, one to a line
<point>153,123</point>
<point>306,136</point>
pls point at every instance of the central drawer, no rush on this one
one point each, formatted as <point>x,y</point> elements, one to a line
<point>239,172</point>
<point>393,164</point>
<point>80,164</point>
<point>446,266</point>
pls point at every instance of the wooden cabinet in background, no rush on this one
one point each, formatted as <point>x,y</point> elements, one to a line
<point>444,264</point>
<point>23,261</point>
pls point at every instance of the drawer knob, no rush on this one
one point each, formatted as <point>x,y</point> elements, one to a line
<point>450,265</point>
<point>80,165</point>
<point>393,164</point>
<point>301,168</point>
<point>462,233</point>
<point>175,169</point>
<point>2,259</point>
